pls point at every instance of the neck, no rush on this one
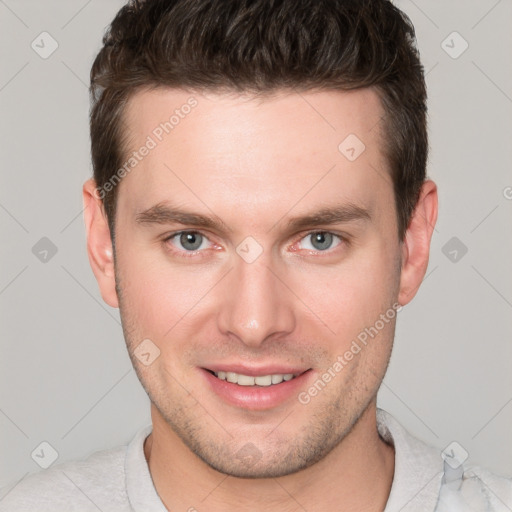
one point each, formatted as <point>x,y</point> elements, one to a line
<point>355,476</point>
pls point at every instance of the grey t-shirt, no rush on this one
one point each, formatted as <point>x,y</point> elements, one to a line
<point>118,480</point>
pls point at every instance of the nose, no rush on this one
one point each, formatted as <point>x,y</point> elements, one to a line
<point>256,304</point>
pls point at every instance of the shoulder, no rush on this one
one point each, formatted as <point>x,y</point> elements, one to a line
<point>97,482</point>
<point>428,479</point>
<point>477,489</point>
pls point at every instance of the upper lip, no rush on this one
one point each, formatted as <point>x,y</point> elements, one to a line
<point>256,371</point>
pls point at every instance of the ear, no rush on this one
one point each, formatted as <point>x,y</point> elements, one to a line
<point>416,245</point>
<point>99,244</point>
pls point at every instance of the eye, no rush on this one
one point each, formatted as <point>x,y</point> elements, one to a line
<point>188,241</point>
<point>320,241</point>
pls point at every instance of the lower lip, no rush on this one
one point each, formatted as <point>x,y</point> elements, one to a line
<point>256,398</point>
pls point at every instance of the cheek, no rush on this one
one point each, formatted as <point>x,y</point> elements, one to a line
<point>352,296</point>
<point>157,297</point>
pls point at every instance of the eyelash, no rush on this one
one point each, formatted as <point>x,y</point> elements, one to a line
<point>343,240</point>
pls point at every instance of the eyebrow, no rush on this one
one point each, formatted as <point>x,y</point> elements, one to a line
<point>162,213</point>
<point>331,215</point>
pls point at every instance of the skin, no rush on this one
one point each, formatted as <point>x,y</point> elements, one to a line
<point>254,164</point>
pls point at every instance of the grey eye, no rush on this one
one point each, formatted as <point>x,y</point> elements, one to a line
<point>191,241</point>
<point>321,240</point>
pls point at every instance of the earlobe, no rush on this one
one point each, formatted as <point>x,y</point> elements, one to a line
<point>99,243</point>
<point>416,245</point>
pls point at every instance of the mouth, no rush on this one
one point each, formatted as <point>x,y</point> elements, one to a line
<point>257,389</point>
<point>248,380</point>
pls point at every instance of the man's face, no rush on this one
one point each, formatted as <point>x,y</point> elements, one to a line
<point>255,292</point>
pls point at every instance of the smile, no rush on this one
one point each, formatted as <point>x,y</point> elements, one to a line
<point>264,391</point>
<point>247,380</point>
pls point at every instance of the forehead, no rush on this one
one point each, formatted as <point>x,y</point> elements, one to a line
<point>229,150</point>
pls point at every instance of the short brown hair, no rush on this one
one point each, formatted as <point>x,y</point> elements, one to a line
<point>262,46</point>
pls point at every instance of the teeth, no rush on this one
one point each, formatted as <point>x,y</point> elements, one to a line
<point>247,380</point>
<point>231,377</point>
<point>277,379</point>
<point>263,381</point>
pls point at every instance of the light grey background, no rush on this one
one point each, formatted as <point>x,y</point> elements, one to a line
<point>65,375</point>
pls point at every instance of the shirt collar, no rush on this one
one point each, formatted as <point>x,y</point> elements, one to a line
<point>416,481</point>
<point>418,469</point>
<point>139,484</point>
